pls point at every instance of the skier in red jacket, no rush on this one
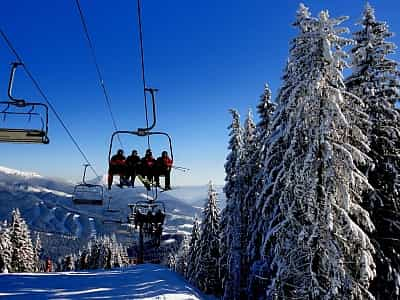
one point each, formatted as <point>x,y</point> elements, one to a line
<point>148,165</point>
<point>117,167</point>
<point>49,265</point>
<point>164,165</point>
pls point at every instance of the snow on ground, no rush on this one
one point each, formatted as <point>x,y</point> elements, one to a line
<point>139,282</point>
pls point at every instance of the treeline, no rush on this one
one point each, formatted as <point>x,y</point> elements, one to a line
<point>100,253</point>
<point>313,205</point>
<point>20,253</point>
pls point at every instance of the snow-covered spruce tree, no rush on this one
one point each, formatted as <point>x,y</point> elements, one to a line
<point>254,161</point>
<point>23,256</point>
<point>375,79</point>
<point>37,250</point>
<point>94,257</point>
<point>191,270</point>
<point>171,261</point>
<point>271,163</point>
<point>124,255</point>
<point>83,263</point>
<point>208,279</point>
<point>230,217</point>
<point>182,258</point>
<point>246,168</point>
<point>5,248</point>
<point>68,263</point>
<point>314,246</point>
<point>265,110</point>
<point>116,252</point>
<point>106,260</point>
<point>249,152</point>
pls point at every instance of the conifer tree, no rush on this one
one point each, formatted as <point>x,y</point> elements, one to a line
<point>208,278</point>
<point>232,191</point>
<point>94,257</point>
<point>68,263</point>
<point>37,249</point>
<point>271,162</point>
<point>312,241</point>
<point>116,252</point>
<point>171,261</point>
<point>375,79</point>
<point>191,270</point>
<point>83,263</point>
<point>105,253</point>
<point>23,256</point>
<point>5,248</point>
<point>265,110</point>
<point>182,257</point>
<point>246,167</point>
<point>254,166</point>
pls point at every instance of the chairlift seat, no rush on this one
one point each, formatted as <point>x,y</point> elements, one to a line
<point>89,194</point>
<point>23,136</point>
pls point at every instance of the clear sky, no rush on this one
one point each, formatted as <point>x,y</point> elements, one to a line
<point>204,56</point>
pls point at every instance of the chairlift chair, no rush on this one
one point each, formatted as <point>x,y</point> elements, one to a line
<point>20,108</point>
<point>141,132</point>
<point>86,193</point>
<point>149,215</point>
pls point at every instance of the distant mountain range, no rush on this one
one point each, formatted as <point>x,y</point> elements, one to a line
<point>46,204</point>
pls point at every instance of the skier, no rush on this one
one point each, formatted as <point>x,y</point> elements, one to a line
<point>117,166</point>
<point>49,265</point>
<point>164,165</point>
<point>148,165</point>
<point>133,166</point>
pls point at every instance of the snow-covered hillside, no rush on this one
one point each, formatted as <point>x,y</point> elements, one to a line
<point>138,282</point>
<point>47,206</point>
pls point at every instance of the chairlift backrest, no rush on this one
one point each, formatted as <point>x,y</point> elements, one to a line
<point>90,194</point>
<point>86,193</point>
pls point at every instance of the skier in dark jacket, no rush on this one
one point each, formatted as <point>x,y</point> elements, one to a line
<point>133,164</point>
<point>117,167</point>
<point>164,165</point>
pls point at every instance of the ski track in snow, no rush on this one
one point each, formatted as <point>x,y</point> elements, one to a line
<point>79,229</point>
<point>139,282</point>
<point>92,228</point>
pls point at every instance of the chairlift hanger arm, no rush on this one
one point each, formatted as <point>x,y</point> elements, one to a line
<point>18,102</point>
<point>84,173</point>
<point>152,92</point>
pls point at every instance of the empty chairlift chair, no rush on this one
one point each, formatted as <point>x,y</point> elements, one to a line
<point>13,111</point>
<point>86,193</point>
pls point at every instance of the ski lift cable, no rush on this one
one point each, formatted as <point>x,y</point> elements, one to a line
<point>95,61</point>
<point>41,92</point>
<point>139,14</point>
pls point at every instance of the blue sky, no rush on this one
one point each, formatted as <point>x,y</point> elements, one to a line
<point>204,56</point>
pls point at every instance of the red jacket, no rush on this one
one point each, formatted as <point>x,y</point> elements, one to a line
<point>167,162</point>
<point>149,161</point>
<point>164,162</point>
<point>117,160</point>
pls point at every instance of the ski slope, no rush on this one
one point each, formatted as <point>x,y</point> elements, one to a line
<point>139,282</point>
